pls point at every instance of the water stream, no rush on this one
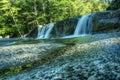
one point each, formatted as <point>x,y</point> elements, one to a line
<point>84,25</point>
<point>44,32</point>
<point>83,28</point>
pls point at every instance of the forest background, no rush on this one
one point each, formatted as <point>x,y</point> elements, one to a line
<point>19,17</point>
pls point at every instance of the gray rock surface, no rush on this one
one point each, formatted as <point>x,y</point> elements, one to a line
<point>21,54</point>
<point>64,27</point>
<point>101,22</point>
<point>96,60</point>
<point>106,21</point>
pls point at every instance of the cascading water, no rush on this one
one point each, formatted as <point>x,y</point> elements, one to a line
<point>44,32</point>
<point>83,28</point>
<point>84,25</point>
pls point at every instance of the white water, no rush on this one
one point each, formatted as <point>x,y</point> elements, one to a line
<point>84,25</point>
<point>83,28</point>
<point>72,36</point>
<point>44,32</point>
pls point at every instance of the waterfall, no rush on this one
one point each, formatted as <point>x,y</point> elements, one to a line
<point>83,28</point>
<point>84,25</point>
<point>44,32</point>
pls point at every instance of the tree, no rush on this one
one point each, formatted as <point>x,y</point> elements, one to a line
<point>18,17</point>
<point>114,5</point>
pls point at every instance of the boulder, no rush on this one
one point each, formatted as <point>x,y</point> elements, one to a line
<point>106,21</point>
<point>61,28</point>
<point>65,27</point>
<point>33,33</point>
<point>115,4</point>
<point>102,22</point>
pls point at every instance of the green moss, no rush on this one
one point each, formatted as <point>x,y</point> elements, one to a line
<point>66,41</point>
<point>28,65</point>
<point>48,56</point>
<point>54,53</point>
<point>10,70</point>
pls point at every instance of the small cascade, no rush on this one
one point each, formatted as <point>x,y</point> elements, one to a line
<point>83,28</point>
<point>44,32</point>
<point>84,25</point>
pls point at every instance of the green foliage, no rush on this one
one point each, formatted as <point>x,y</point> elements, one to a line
<point>18,17</point>
<point>28,65</point>
<point>11,70</point>
<point>114,5</point>
<point>14,69</point>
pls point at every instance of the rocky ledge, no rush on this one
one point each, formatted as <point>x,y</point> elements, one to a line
<point>94,60</point>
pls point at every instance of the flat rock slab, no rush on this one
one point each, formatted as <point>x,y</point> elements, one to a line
<point>98,60</point>
<point>21,54</point>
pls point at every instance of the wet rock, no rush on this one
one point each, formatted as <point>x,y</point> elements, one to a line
<point>92,78</point>
<point>118,77</point>
<point>57,79</point>
<point>21,54</point>
<point>96,60</point>
<point>106,21</point>
<point>65,27</point>
<point>33,33</point>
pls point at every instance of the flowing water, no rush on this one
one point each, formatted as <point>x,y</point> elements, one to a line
<point>83,28</point>
<point>84,25</point>
<point>44,32</point>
